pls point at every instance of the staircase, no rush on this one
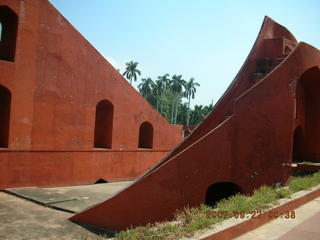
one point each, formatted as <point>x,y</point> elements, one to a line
<point>276,50</point>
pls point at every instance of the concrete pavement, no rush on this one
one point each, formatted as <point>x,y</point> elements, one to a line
<point>305,226</point>
<point>35,219</point>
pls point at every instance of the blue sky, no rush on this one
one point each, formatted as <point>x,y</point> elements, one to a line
<point>205,39</point>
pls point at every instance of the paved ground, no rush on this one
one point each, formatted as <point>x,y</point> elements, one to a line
<point>305,226</point>
<point>71,199</point>
<point>23,219</point>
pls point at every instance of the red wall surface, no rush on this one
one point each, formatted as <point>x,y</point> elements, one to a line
<point>56,81</point>
<point>245,142</point>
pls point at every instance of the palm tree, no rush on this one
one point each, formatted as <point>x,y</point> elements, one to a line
<point>197,115</point>
<point>208,108</point>
<point>146,86</point>
<point>177,85</point>
<point>182,114</point>
<point>189,93</point>
<point>158,90</point>
<point>165,83</point>
<point>131,71</point>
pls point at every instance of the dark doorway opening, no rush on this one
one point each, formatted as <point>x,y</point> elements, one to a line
<point>146,135</point>
<point>8,33</point>
<point>5,102</point>
<point>101,180</point>
<point>219,191</point>
<point>103,125</point>
<point>306,138</point>
<point>297,155</point>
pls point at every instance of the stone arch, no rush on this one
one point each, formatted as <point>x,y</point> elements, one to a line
<point>308,116</point>
<point>297,145</point>
<point>103,124</point>
<point>5,104</point>
<point>100,181</point>
<point>146,135</point>
<point>219,191</point>
<point>9,30</point>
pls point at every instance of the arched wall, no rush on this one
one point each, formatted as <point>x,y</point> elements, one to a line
<point>56,80</point>
<point>5,103</point>
<point>103,125</point>
<point>146,135</point>
<point>9,29</point>
<point>219,191</point>
<point>308,115</point>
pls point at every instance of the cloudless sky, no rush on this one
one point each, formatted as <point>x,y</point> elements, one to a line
<point>205,39</point>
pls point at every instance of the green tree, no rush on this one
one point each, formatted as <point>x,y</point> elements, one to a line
<point>158,91</point>
<point>183,113</point>
<point>164,83</point>
<point>197,115</point>
<point>177,86</point>
<point>207,109</point>
<point>131,71</point>
<point>146,86</point>
<point>190,90</point>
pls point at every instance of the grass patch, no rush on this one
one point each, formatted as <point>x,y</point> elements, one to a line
<point>310,163</point>
<point>190,220</point>
<point>301,183</point>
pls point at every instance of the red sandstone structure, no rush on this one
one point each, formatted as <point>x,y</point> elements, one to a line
<point>67,116</point>
<point>268,118</point>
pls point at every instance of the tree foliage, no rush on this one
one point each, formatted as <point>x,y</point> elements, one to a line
<point>170,96</point>
<point>131,71</point>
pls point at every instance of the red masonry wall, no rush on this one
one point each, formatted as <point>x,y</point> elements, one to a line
<point>56,80</point>
<point>247,140</point>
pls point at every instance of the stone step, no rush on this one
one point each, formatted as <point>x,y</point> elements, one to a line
<point>255,77</point>
<point>276,47</point>
<point>266,65</point>
<point>288,47</point>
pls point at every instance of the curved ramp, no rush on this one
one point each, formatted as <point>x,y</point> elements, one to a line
<point>246,140</point>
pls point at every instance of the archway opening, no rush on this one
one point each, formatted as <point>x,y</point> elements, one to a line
<point>101,180</point>
<point>219,191</point>
<point>103,125</point>
<point>146,135</point>
<point>306,142</point>
<point>0,31</point>
<point>5,102</point>
<point>297,155</point>
<point>8,33</point>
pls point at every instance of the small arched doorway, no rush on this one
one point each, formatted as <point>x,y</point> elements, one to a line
<point>0,31</point>
<point>146,135</point>
<point>297,155</point>
<point>103,125</point>
<point>306,138</point>
<point>100,181</point>
<point>8,33</point>
<point>219,191</point>
<point>5,102</point>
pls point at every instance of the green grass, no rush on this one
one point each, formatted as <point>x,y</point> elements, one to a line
<point>190,220</point>
<point>301,183</point>
<point>310,163</point>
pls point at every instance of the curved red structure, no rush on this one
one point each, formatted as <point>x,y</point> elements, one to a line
<point>267,118</point>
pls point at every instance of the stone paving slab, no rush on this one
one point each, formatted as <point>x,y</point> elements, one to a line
<point>71,206</point>
<point>86,195</point>
<point>25,220</point>
<point>70,199</point>
<point>40,195</point>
